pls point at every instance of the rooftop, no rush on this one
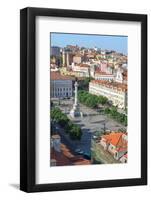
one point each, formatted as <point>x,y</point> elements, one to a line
<point>57,76</point>
<point>113,85</point>
<point>84,65</point>
<point>98,72</point>
<point>56,136</point>
<point>117,140</point>
<point>66,157</point>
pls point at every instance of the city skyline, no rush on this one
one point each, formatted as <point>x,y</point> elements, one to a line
<point>89,99</point>
<point>116,43</point>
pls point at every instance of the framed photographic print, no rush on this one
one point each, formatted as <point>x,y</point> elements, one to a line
<point>83,99</point>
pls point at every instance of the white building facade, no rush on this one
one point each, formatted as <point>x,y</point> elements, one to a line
<point>116,93</point>
<point>60,86</point>
<point>104,76</point>
<point>82,70</point>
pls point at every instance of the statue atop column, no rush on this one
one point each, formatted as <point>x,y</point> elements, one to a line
<point>75,111</point>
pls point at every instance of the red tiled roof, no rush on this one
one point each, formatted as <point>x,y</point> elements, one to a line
<point>65,157</point>
<point>117,140</point>
<point>58,76</point>
<point>116,85</point>
<point>60,158</point>
<point>84,65</point>
<point>102,73</point>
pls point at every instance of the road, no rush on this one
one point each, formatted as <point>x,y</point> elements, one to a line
<point>99,155</point>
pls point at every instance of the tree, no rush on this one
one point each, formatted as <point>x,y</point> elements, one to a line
<point>63,120</point>
<point>73,130</point>
<point>84,84</point>
<point>91,100</point>
<point>107,111</point>
<point>113,111</point>
<point>102,100</point>
<point>68,127</point>
<point>125,120</point>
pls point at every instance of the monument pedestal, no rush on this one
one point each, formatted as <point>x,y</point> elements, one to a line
<point>75,112</point>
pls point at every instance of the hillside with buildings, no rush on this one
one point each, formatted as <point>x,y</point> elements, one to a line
<point>89,86</point>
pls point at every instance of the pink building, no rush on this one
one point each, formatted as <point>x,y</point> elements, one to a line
<point>103,66</point>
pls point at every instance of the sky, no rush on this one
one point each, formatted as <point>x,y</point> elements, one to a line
<point>117,43</point>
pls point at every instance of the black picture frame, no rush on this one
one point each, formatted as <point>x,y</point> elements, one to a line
<point>28,98</point>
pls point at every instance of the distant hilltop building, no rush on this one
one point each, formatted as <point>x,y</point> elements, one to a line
<point>67,58</point>
<point>72,47</point>
<point>103,66</point>
<point>95,48</point>
<point>78,59</point>
<point>55,51</point>
<point>81,70</point>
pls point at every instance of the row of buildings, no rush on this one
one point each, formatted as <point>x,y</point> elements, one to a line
<point>115,143</point>
<point>108,69</point>
<point>72,57</point>
<point>78,55</point>
<point>115,91</point>
<point>108,75</point>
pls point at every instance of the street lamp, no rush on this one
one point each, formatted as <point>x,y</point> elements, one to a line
<point>104,128</point>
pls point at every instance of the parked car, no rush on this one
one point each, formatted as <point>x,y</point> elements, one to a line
<point>79,151</point>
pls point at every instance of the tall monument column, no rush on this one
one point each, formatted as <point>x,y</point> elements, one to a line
<point>63,58</point>
<point>67,59</point>
<point>76,93</point>
<point>75,111</point>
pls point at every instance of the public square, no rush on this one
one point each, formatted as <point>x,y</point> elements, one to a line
<point>92,123</point>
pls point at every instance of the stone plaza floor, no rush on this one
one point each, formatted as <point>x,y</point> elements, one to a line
<point>91,123</point>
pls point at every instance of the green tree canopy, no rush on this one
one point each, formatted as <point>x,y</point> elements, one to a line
<point>73,130</point>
